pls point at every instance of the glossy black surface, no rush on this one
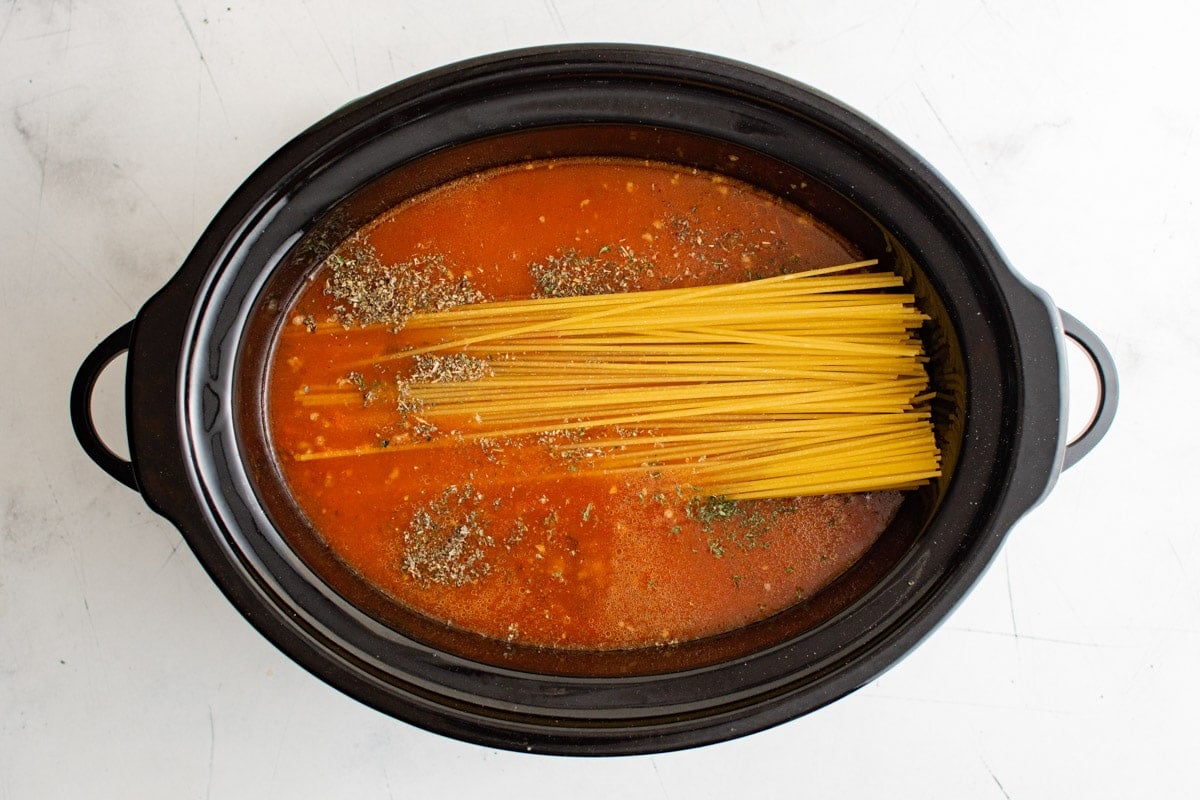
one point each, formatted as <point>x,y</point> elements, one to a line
<point>1106,401</point>
<point>84,384</point>
<point>196,347</point>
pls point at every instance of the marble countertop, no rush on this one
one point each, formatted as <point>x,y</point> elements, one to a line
<point>1071,129</point>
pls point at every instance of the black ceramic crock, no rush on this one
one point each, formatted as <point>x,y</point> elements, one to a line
<point>197,350</point>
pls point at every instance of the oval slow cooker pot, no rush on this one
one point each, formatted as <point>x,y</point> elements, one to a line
<point>198,349</point>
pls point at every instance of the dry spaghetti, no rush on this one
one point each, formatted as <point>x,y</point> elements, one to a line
<point>799,384</point>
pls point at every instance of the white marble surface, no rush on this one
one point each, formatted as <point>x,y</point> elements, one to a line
<point>1069,672</point>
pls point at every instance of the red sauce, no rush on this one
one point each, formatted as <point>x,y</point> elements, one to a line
<point>506,539</point>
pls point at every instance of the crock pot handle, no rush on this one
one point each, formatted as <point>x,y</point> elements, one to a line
<point>116,343</point>
<point>1106,404</point>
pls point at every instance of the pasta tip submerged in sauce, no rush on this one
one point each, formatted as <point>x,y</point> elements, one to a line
<point>523,537</point>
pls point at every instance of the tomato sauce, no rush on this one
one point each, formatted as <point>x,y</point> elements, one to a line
<point>510,539</point>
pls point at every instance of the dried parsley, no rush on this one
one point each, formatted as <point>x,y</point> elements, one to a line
<point>453,368</point>
<point>446,540</point>
<point>369,393</point>
<point>369,292</point>
<point>569,273</point>
<point>708,510</point>
<point>741,524</point>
